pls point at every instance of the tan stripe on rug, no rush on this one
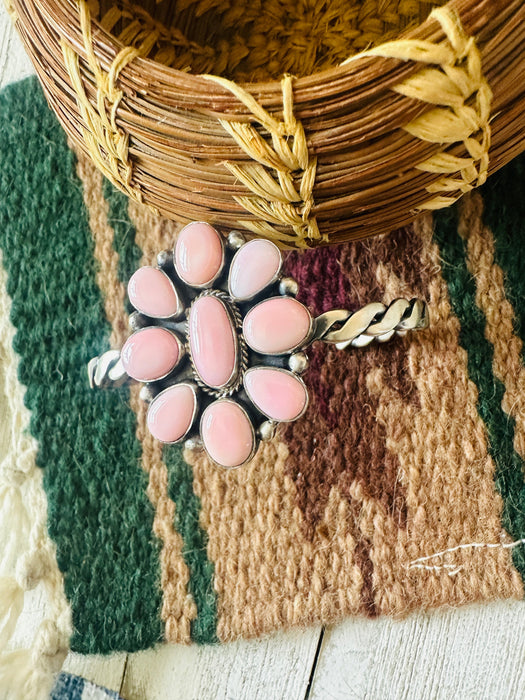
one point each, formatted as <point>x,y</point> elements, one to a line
<point>491,299</point>
<point>268,574</point>
<point>153,234</point>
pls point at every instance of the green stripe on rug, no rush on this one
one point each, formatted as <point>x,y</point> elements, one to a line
<point>195,538</point>
<point>500,427</point>
<point>98,512</point>
<point>180,474</point>
<point>129,253</point>
<point>504,214</point>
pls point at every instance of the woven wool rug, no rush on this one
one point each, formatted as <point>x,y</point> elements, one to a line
<point>402,488</point>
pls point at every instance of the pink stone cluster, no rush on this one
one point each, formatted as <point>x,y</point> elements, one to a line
<point>208,336</point>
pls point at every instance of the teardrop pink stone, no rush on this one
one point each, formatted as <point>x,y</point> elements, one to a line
<point>278,394</point>
<point>213,341</point>
<point>171,412</point>
<point>227,433</point>
<point>277,325</point>
<point>150,354</point>
<point>254,266</point>
<point>198,254</point>
<point>152,293</point>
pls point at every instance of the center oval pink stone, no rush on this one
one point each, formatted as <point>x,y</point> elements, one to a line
<point>213,341</point>
<point>198,254</point>
<point>277,325</point>
<point>150,354</point>
<point>227,433</point>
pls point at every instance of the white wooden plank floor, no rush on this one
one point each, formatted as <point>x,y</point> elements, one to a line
<point>477,652</point>
<point>277,667</point>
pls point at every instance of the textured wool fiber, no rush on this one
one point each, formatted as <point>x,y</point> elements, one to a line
<point>98,512</point>
<point>114,235</point>
<point>401,488</point>
<point>509,474</point>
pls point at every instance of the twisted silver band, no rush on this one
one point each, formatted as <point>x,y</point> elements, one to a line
<point>106,371</point>
<point>374,321</point>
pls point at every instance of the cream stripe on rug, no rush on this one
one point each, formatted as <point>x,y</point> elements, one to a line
<point>27,555</point>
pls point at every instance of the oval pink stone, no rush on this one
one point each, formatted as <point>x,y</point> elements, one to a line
<point>152,293</point>
<point>198,254</point>
<point>277,325</point>
<point>150,354</point>
<point>213,341</point>
<point>227,433</point>
<point>277,393</point>
<point>171,413</point>
<point>254,266</point>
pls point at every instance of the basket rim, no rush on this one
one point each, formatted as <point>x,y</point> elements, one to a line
<point>195,147</point>
<point>152,70</point>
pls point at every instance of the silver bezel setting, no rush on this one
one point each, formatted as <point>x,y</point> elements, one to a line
<point>284,371</point>
<point>193,388</point>
<point>255,444</point>
<point>306,341</point>
<point>208,284</point>
<point>292,361</point>
<point>180,305</point>
<point>241,354</point>
<point>274,279</point>
<point>182,352</point>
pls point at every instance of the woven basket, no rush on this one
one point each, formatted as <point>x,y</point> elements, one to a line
<point>331,119</point>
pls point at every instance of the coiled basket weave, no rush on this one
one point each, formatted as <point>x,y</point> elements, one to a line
<point>305,121</point>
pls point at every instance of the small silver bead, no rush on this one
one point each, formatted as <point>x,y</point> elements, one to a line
<point>136,321</point>
<point>194,443</point>
<point>236,239</point>
<point>298,362</point>
<point>147,394</point>
<point>288,287</point>
<point>164,258</point>
<point>267,430</point>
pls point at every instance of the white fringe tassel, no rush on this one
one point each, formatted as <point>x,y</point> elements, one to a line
<point>27,555</point>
